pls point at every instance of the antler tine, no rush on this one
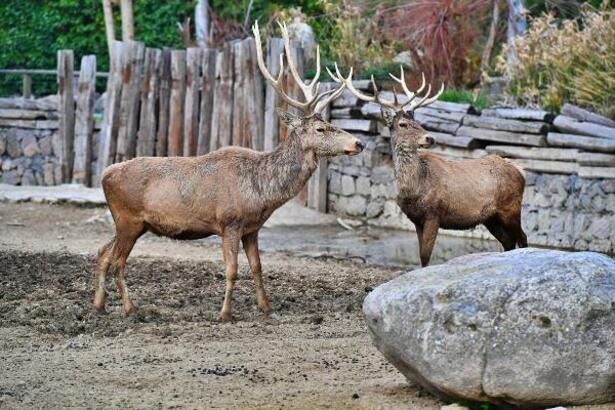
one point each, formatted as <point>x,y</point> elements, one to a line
<point>402,81</point>
<point>275,83</point>
<point>426,100</point>
<point>308,89</point>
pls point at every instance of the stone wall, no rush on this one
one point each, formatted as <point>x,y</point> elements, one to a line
<point>561,207</point>
<point>29,142</point>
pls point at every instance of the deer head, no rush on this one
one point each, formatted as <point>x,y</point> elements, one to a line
<point>397,115</point>
<point>315,134</point>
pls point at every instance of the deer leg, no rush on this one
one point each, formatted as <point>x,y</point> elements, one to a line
<point>230,248</point>
<point>497,229</point>
<point>513,227</point>
<point>427,240</point>
<point>250,246</point>
<point>127,235</point>
<point>101,272</point>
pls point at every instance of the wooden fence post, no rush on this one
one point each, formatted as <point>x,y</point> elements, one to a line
<point>239,133</point>
<point>191,105</point>
<point>84,121</point>
<point>108,134</point>
<point>146,136</point>
<point>222,116</point>
<point>207,98</point>
<point>163,105</point>
<point>256,109</point>
<point>271,133</point>
<point>26,86</point>
<point>176,107</point>
<point>66,110</point>
<point>132,71</point>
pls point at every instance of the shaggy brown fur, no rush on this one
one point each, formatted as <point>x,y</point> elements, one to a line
<point>435,193</point>
<point>230,192</point>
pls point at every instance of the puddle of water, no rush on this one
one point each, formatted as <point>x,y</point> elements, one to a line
<point>384,247</point>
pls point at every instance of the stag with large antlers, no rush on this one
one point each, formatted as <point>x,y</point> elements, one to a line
<point>230,192</point>
<point>436,193</point>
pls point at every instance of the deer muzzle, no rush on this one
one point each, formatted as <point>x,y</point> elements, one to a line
<point>355,148</point>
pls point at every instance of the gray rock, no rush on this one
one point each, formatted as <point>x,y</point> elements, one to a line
<point>363,186</point>
<point>599,228</point>
<point>530,178</point>
<point>48,173</point>
<point>347,185</point>
<point>608,186</point>
<point>8,164</point>
<point>44,144</point>
<point>11,177</point>
<point>374,208</point>
<point>382,175</point>
<point>2,143</point>
<point>528,327</point>
<point>335,182</point>
<point>29,146</point>
<point>28,178</point>
<point>405,57</point>
<point>13,146</point>
<point>353,205</point>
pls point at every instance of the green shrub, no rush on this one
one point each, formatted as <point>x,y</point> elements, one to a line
<point>464,96</point>
<point>567,61</point>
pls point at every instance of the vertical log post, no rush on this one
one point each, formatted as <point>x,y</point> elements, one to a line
<point>207,98</point>
<point>164,97</point>
<point>176,107</point>
<point>239,131</point>
<point>272,100</point>
<point>255,109</point>
<point>26,86</point>
<point>132,72</point>
<point>110,125</point>
<point>222,116</point>
<point>191,105</point>
<point>146,136</point>
<point>84,121</point>
<point>66,110</point>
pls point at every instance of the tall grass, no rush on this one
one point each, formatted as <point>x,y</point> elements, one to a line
<point>566,61</point>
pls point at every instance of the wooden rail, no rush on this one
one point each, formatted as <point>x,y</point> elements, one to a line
<point>27,73</point>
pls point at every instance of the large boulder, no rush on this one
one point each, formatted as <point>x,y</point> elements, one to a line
<point>528,327</point>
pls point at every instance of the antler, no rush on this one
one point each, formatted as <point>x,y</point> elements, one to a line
<point>314,100</point>
<point>395,104</point>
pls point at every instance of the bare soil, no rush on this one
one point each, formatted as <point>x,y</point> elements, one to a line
<point>174,353</point>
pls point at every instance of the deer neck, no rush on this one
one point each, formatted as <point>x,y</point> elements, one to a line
<point>408,170</point>
<point>285,171</point>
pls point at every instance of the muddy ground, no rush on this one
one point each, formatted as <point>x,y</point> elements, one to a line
<point>174,353</point>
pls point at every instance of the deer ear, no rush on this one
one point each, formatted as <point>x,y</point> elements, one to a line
<point>388,116</point>
<point>291,120</point>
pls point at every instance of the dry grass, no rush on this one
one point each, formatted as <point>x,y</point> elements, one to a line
<point>567,61</point>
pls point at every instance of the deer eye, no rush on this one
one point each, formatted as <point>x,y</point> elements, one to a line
<point>403,125</point>
<point>320,129</point>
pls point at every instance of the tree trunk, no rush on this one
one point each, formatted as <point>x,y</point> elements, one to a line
<point>109,30</point>
<point>201,22</point>
<point>127,20</point>
<point>484,61</point>
<point>517,25</point>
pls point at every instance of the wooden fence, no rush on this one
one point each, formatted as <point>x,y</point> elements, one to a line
<point>175,103</point>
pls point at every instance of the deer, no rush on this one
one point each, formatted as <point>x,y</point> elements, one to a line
<point>229,192</point>
<point>437,193</point>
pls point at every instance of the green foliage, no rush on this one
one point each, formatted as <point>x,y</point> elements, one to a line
<point>32,31</point>
<point>464,96</point>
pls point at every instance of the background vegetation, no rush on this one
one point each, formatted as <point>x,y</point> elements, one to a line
<point>445,39</point>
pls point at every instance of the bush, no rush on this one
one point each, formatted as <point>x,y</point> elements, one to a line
<point>567,61</point>
<point>463,96</point>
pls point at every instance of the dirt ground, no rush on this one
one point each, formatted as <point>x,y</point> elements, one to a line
<point>315,353</point>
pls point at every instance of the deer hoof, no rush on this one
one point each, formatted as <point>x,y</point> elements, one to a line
<point>99,310</point>
<point>226,317</point>
<point>130,310</point>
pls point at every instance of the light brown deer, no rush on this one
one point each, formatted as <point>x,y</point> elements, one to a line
<point>230,192</point>
<point>436,193</point>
